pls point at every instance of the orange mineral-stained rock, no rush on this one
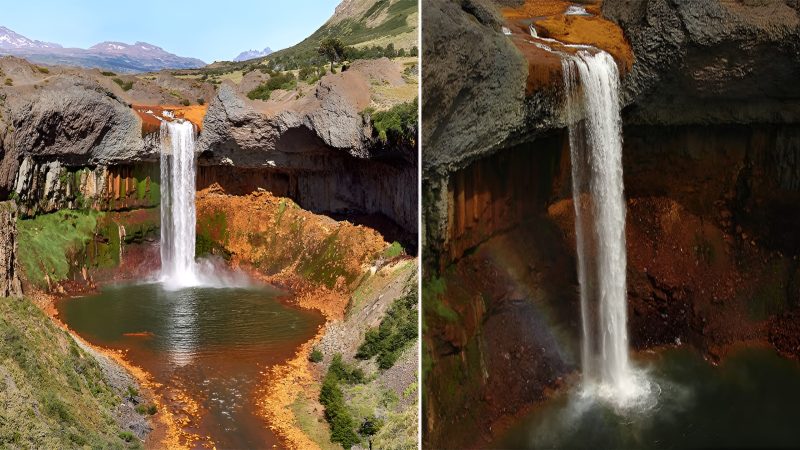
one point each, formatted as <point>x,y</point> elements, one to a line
<point>549,19</point>
<point>152,115</point>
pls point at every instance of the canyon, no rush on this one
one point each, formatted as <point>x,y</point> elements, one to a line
<point>709,156</point>
<point>299,191</point>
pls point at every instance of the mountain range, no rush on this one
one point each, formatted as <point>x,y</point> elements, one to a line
<point>115,56</point>
<point>251,54</point>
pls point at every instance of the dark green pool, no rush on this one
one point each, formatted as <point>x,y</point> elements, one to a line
<point>212,344</point>
<point>752,400</point>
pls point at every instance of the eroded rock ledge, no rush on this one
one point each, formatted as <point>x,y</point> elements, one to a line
<point>71,138</point>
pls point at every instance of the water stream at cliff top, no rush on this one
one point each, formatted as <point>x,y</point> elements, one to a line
<point>595,136</point>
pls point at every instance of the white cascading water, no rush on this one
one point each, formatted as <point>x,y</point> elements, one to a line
<point>595,136</point>
<point>178,267</point>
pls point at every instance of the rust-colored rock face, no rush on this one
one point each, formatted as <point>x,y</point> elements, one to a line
<point>712,263</point>
<point>550,20</point>
<point>498,193</point>
<point>150,115</point>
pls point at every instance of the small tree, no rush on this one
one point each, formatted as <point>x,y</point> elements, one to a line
<point>370,428</point>
<point>332,49</point>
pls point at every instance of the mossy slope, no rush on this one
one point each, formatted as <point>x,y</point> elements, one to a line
<point>52,393</point>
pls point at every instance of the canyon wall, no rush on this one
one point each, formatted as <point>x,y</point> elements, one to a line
<point>72,140</point>
<point>710,164</point>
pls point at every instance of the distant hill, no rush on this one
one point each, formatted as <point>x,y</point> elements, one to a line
<point>370,22</point>
<point>115,56</point>
<point>357,23</point>
<point>252,54</point>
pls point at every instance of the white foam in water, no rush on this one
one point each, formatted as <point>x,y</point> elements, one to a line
<point>576,10</point>
<point>595,134</point>
<point>178,220</point>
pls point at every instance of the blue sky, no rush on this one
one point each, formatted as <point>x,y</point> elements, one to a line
<point>209,30</point>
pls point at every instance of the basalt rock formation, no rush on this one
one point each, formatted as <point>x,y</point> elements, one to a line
<point>9,269</point>
<point>73,138</point>
<point>711,151</point>
<point>319,150</point>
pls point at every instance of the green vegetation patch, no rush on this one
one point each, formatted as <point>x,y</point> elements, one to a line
<point>212,235</point>
<point>53,394</point>
<point>396,332</point>
<point>46,243</point>
<point>325,263</point>
<point>393,251</point>
<point>331,397</point>
<point>398,124</point>
<point>285,81</point>
<point>432,291</point>
<point>125,85</point>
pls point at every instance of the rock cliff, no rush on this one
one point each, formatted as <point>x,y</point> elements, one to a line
<point>9,268</point>
<point>710,155</point>
<point>74,138</point>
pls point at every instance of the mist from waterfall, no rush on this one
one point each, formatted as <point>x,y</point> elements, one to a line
<point>178,216</point>
<point>595,137</point>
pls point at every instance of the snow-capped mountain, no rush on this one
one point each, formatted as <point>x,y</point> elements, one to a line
<point>12,40</point>
<point>115,56</point>
<point>251,54</point>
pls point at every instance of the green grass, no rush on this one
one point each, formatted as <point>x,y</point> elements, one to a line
<point>396,332</point>
<point>53,394</point>
<point>393,251</point>
<point>108,74</point>
<point>285,81</point>
<point>47,241</point>
<point>125,85</point>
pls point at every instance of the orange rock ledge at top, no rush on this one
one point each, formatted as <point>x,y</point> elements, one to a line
<point>550,21</point>
<point>150,115</point>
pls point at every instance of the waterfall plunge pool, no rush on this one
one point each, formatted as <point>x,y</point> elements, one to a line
<point>212,345</point>
<point>748,401</point>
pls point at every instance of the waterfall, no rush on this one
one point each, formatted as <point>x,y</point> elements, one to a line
<point>178,267</point>
<point>595,137</point>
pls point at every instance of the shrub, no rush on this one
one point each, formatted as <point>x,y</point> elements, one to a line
<point>315,356</point>
<point>147,409</point>
<point>127,436</point>
<point>398,123</point>
<point>395,332</point>
<point>201,101</point>
<point>285,81</point>
<point>125,85</point>
<point>331,397</point>
<point>9,82</point>
<point>42,69</point>
<point>345,372</point>
<point>131,393</point>
<point>185,102</point>
<point>108,74</point>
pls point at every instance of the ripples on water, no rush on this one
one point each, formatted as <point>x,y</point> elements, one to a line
<point>213,344</point>
<point>748,401</point>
